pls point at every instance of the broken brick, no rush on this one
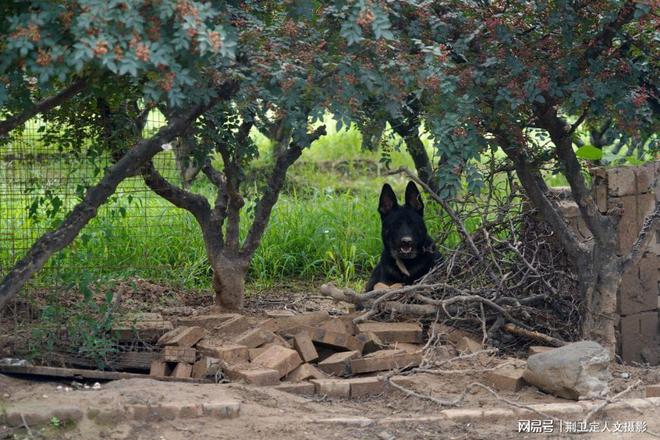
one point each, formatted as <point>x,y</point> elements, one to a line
<point>385,360</point>
<point>182,336</point>
<point>159,368</point>
<point>182,370</point>
<point>366,386</point>
<point>173,353</point>
<point>371,342</point>
<point>508,378</point>
<point>302,388</point>
<point>296,321</point>
<point>653,390</point>
<point>232,326</point>
<point>284,360</point>
<point>305,347</point>
<point>332,387</point>
<point>255,337</point>
<point>147,327</point>
<point>205,321</point>
<point>339,364</point>
<point>254,376</point>
<point>342,341</point>
<point>206,366</point>
<point>304,372</point>
<point>229,353</point>
<point>390,332</point>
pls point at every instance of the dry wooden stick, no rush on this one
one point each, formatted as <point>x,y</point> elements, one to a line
<point>519,331</point>
<point>609,400</point>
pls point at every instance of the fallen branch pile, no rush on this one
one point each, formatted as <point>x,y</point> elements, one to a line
<point>506,279</point>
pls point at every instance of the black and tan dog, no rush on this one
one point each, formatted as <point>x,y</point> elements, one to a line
<point>408,251</point>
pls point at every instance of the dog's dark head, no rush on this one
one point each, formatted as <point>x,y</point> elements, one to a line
<point>403,229</point>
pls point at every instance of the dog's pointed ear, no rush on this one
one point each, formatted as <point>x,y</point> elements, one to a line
<point>414,198</point>
<point>387,201</point>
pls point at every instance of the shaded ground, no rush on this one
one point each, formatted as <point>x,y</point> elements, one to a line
<point>271,414</point>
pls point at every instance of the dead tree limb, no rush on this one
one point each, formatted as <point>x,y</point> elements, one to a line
<point>43,106</point>
<point>538,336</point>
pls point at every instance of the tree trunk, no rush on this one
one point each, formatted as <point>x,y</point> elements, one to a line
<point>600,278</point>
<point>229,281</point>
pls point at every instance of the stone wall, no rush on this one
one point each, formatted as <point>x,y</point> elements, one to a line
<point>634,190</point>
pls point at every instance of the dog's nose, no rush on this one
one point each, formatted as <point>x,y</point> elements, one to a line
<point>406,241</point>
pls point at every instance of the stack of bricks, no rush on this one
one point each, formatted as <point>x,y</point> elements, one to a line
<point>635,190</point>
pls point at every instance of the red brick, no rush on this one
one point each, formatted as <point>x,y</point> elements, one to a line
<point>182,370</point>
<point>254,376</point>
<point>332,387</point>
<point>305,347</point>
<point>371,342</point>
<point>366,386</point>
<point>653,390</point>
<point>336,325</point>
<point>172,353</point>
<point>385,360</point>
<point>230,353</point>
<point>232,326</point>
<point>147,327</point>
<point>302,388</point>
<point>182,336</point>
<point>296,321</point>
<point>341,341</point>
<point>206,366</point>
<point>205,321</point>
<point>507,378</point>
<point>339,364</point>
<point>284,360</point>
<point>390,332</point>
<point>160,368</point>
<point>304,372</point>
<point>255,337</point>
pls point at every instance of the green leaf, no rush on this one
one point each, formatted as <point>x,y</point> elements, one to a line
<point>589,152</point>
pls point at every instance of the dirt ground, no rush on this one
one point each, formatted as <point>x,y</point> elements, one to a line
<point>271,414</point>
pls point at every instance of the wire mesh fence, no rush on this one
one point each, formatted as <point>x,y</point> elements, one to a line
<point>136,233</point>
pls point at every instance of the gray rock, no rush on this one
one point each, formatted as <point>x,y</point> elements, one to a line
<point>575,371</point>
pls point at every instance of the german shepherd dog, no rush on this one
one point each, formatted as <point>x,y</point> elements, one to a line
<point>408,251</point>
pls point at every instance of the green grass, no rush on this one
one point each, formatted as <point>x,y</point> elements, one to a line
<point>324,227</point>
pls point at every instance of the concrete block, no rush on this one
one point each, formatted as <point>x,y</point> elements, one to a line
<point>232,326</point>
<point>634,210</point>
<point>160,368</point>
<point>638,338</point>
<point>206,367</point>
<point>638,291</point>
<point>342,341</point>
<point>653,390</point>
<point>280,323</point>
<point>222,410</point>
